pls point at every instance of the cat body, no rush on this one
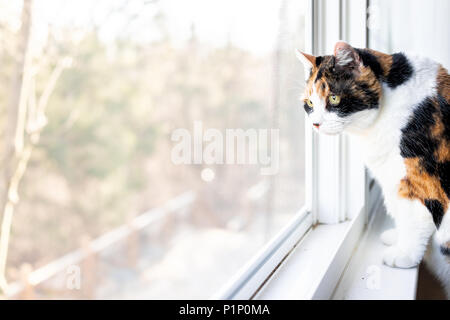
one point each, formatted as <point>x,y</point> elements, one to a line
<point>381,149</point>
<point>398,108</point>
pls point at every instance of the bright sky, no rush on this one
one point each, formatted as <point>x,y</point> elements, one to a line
<point>250,24</point>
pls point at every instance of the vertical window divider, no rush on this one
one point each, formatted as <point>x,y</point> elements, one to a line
<point>328,181</point>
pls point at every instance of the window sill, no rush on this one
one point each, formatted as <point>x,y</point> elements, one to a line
<point>342,262</point>
<point>339,261</point>
<point>314,267</point>
<point>247,282</point>
<point>367,278</point>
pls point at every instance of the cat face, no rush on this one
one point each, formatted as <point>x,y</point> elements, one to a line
<point>341,91</point>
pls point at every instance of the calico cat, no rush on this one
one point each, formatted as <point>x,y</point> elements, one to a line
<point>397,107</point>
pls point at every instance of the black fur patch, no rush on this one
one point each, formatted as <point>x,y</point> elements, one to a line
<point>416,138</point>
<point>401,70</point>
<point>308,109</point>
<point>319,75</point>
<point>372,97</point>
<point>436,209</point>
<point>350,103</point>
<point>445,251</point>
<point>445,111</point>
<point>417,141</point>
<point>444,178</point>
<point>319,60</point>
<point>348,106</point>
<point>369,60</point>
<point>323,67</point>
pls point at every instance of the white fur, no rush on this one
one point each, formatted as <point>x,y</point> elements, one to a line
<point>389,237</point>
<point>344,57</point>
<point>443,234</point>
<point>319,112</point>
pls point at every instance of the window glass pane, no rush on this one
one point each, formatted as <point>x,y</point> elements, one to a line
<point>131,189</point>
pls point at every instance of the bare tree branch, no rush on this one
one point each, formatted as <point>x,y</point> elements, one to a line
<point>12,131</point>
<point>29,116</point>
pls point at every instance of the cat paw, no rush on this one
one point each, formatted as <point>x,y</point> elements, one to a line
<point>389,237</point>
<point>397,257</point>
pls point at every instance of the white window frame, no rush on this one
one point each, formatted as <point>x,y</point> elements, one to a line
<point>338,199</point>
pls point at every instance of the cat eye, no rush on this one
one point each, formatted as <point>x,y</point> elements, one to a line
<point>334,100</point>
<point>309,103</point>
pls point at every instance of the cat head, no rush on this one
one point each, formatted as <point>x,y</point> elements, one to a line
<point>341,91</point>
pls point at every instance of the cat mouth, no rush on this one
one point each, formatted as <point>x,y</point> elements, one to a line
<point>329,130</point>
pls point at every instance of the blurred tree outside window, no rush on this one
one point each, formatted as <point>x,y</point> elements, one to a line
<point>91,93</point>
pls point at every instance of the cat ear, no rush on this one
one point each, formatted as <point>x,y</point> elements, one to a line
<point>308,61</point>
<point>346,55</point>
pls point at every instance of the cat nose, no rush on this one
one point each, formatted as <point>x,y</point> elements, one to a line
<point>317,125</point>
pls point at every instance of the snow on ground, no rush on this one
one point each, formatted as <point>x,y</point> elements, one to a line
<point>196,266</point>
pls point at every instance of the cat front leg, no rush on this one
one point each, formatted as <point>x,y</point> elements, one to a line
<point>414,227</point>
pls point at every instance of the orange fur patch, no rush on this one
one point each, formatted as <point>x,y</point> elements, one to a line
<point>442,154</point>
<point>443,83</point>
<point>384,59</point>
<point>418,184</point>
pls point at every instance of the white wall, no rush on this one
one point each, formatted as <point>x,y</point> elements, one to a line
<point>416,26</point>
